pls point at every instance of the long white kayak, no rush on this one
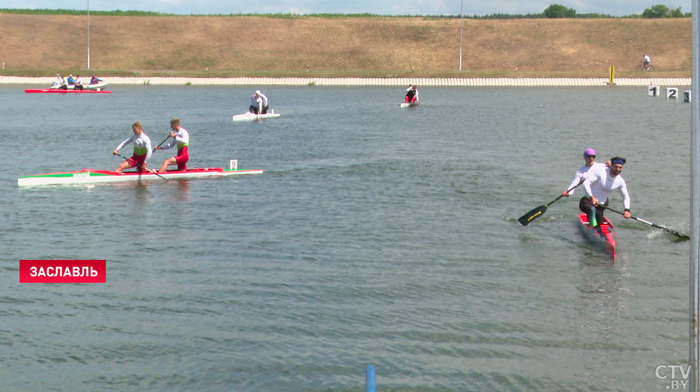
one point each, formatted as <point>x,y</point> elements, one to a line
<point>97,86</point>
<point>409,105</point>
<point>252,116</point>
<point>88,176</point>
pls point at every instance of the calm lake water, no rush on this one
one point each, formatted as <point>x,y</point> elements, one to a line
<point>376,235</point>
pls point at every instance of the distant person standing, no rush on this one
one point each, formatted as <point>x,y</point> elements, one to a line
<point>255,103</point>
<point>264,102</point>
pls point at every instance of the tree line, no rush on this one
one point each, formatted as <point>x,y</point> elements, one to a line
<point>655,11</point>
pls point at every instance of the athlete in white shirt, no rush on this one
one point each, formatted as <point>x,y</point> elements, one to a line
<point>582,173</point>
<point>255,103</point>
<point>142,149</point>
<point>599,184</point>
<point>181,139</point>
<point>264,106</point>
<point>78,83</point>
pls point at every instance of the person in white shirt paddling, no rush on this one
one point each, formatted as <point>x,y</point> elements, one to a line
<point>411,94</point>
<point>62,82</point>
<point>582,173</point>
<point>142,150</point>
<point>264,106</point>
<point>78,82</point>
<point>255,103</point>
<point>601,181</point>
<point>181,139</point>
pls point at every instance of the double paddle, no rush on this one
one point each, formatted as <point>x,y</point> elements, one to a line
<point>539,211</point>
<point>680,235</point>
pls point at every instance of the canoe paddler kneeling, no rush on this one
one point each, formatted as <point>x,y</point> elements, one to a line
<point>142,150</point>
<point>256,103</point>
<point>601,181</point>
<point>181,139</point>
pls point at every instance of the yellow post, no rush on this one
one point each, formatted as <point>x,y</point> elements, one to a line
<point>612,74</point>
<point>611,83</point>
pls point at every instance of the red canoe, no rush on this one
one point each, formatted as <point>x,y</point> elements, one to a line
<point>602,235</point>
<point>48,90</point>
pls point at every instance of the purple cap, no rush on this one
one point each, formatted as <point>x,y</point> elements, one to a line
<point>588,152</point>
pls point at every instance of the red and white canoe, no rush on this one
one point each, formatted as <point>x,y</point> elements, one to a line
<point>603,235</point>
<point>58,91</point>
<point>88,176</point>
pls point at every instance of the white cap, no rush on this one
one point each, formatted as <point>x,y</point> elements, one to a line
<point>257,92</point>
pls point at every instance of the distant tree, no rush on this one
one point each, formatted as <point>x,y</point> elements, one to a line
<point>677,13</point>
<point>559,11</point>
<point>656,11</point>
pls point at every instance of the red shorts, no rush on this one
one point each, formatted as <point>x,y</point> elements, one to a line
<point>182,158</point>
<point>137,160</point>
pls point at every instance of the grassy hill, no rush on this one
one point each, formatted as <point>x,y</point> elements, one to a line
<point>229,46</point>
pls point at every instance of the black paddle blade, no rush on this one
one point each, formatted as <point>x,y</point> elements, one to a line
<point>532,215</point>
<point>681,236</point>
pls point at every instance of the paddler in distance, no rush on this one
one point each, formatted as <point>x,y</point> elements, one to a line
<point>181,139</point>
<point>601,181</point>
<point>411,94</point>
<point>582,173</point>
<point>142,149</point>
<point>264,106</point>
<point>255,103</point>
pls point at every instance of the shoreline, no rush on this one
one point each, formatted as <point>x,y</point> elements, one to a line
<point>423,82</point>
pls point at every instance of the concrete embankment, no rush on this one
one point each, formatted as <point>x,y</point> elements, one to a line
<point>423,82</point>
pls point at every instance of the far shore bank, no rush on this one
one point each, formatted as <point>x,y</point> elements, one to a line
<point>433,82</point>
<point>230,47</point>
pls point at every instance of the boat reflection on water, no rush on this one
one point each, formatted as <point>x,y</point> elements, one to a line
<point>183,187</point>
<point>141,192</point>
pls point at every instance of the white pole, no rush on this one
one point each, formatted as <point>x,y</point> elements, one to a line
<point>88,12</point>
<point>695,205</point>
<point>461,16</point>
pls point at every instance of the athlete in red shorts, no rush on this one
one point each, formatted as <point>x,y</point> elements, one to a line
<point>181,139</point>
<point>142,149</point>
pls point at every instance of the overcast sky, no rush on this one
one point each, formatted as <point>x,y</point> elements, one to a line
<point>379,7</point>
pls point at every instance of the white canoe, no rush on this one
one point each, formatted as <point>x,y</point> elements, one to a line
<point>409,105</point>
<point>86,86</point>
<point>88,176</point>
<point>252,116</point>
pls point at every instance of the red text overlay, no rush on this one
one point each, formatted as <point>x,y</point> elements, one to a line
<point>63,271</point>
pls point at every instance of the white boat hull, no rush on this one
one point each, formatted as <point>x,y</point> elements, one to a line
<point>252,116</point>
<point>87,86</point>
<point>88,176</point>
